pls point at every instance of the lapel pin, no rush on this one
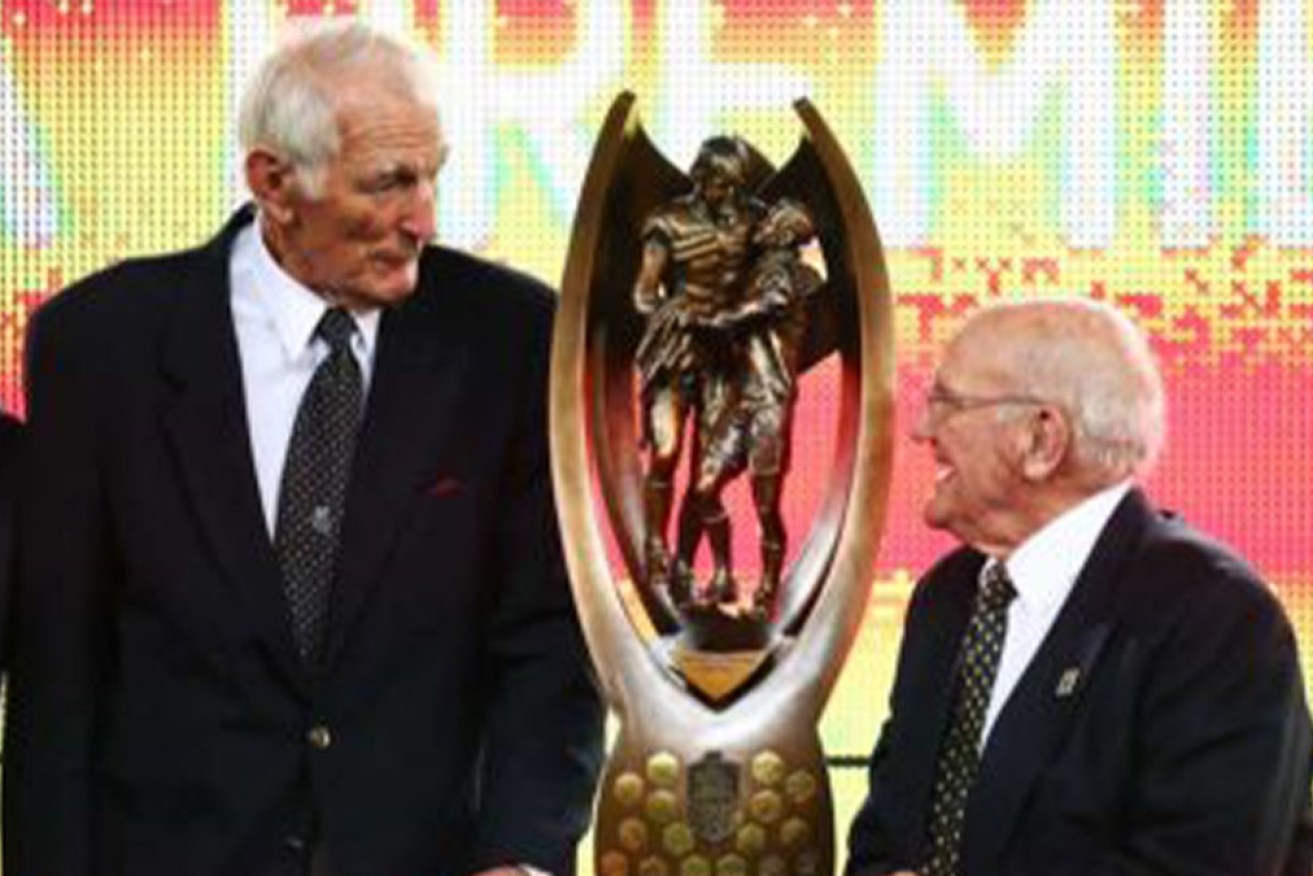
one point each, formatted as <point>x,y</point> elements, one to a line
<point>1067,682</point>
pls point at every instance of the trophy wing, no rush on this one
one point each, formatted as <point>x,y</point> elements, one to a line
<point>831,311</point>
<point>829,584</point>
<point>643,179</point>
<point>833,326</point>
<point>592,398</point>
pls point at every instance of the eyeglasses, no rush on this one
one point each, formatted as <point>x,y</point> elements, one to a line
<point>941,402</point>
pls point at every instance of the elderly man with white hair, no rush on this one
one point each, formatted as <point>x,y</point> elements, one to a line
<point>292,600</point>
<point>1087,685</point>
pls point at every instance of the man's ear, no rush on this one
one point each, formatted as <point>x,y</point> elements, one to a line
<point>1048,438</point>
<point>273,183</point>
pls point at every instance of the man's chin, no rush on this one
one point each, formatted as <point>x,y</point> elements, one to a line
<point>933,517</point>
<point>396,294</point>
<point>937,513</point>
<point>391,291</point>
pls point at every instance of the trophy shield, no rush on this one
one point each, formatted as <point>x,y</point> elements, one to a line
<point>685,319</point>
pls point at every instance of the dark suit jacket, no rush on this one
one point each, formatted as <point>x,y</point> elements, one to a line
<point>161,720</point>
<point>11,435</point>
<point>1181,749</point>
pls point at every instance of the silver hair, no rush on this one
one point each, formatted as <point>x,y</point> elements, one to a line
<point>1089,359</point>
<point>291,103</point>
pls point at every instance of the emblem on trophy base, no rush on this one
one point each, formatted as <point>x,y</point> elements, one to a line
<point>691,305</point>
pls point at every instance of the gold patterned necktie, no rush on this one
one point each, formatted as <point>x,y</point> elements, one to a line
<point>959,757</point>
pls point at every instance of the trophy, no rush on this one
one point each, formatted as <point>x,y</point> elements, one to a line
<point>691,304</point>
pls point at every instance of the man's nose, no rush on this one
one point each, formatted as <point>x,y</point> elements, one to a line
<point>420,219</point>
<point>922,425</point>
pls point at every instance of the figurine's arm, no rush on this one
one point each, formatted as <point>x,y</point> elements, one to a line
<point>647,288</point>
<point>768,295</point>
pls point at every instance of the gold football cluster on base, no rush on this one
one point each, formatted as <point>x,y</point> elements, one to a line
<point>664,820</point>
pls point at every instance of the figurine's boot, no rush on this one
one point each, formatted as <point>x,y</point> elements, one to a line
<point>723,588</point>
<point>681,583</point>
<point>772,560</point>
<point>690,530</point>
<point>766,497</point>
<point>656,513</point>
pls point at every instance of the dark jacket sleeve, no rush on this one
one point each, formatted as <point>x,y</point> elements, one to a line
<point>11,466</point>
<point>871,848</point>
<point>542,746</point>
<point>880,840</point>
<point>1222,743</point>
<point>61,620</point>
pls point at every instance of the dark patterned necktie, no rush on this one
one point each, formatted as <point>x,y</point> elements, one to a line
<point>959,757</point>
<point>312,496</point>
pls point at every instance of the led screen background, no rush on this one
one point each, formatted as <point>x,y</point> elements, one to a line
<point>1155,154</point>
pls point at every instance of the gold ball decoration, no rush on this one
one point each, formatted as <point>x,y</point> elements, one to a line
<point>663,769</point>
<point>662,807</point>
<point>653,866</point>
<point>801,786</point>
<point>614,864</point>
<point>768,768</point>
<point>750,839</point>
<point>677,839</point>
<point>695,865</point>
<point>633,835</point>
<point>766,807</point>
<point>795,833</point>
<point>731,865</point>
<point>628,789</point>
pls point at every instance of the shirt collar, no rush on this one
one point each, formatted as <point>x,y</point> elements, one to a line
<point>294,309</point>
<point>1044,568</point>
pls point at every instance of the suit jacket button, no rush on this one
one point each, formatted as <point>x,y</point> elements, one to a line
<point>294,844</point>
<point>319,737</point>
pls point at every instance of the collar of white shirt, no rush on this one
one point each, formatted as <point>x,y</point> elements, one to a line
<point>1045,566</point>
<point>1044,570</point>
<point>292,307</point>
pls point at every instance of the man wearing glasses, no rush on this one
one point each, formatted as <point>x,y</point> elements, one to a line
<point>1086,685</point>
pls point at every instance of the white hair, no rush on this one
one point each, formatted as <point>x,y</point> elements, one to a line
<point>290,104</point>
<point>1089,359</point>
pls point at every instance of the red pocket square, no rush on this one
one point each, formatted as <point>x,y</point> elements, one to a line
<point>446,486</point>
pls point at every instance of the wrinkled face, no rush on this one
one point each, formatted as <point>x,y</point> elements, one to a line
<point>359,241</point>
<point>971,426</point>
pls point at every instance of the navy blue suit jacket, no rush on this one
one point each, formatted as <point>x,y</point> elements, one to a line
<point>1179,746</point>
<point>160,721</point>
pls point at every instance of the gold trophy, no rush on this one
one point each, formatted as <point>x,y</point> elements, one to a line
<point>689,308</point>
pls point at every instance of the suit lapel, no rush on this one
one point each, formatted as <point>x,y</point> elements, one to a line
<point>206,425</point>
<point>412,407</point>
<point>1034,721</point>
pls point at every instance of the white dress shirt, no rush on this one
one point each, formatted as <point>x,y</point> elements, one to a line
<point>1043,570</point>
<point>274,317</point>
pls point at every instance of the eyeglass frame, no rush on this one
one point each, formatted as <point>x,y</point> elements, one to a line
<point>939,402</point>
